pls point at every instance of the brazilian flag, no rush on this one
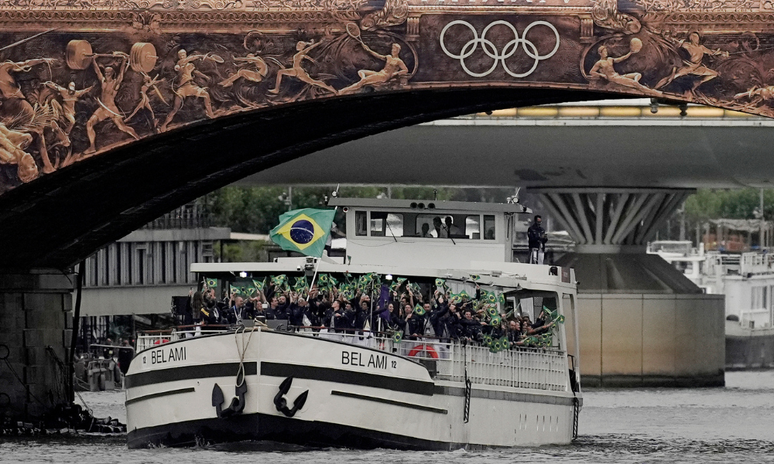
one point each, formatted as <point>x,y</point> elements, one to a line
<point>397,337</point>
<point>492,311</point>
<point>419,310</point>
<point>495,346</point>
<point>504,343</point>
<point>304,230</point>
<point>211,283</point>
<point>259,284</point>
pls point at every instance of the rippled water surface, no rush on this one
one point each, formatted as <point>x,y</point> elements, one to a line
<point>731,424</point>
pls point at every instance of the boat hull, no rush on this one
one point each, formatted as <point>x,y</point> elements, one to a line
<point>356,396</point>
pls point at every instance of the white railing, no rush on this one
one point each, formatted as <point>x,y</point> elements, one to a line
<point>156,338</point>
<point>539,369</point>
<point>755,263</point>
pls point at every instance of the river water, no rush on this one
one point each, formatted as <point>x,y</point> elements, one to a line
<point>731,424</point>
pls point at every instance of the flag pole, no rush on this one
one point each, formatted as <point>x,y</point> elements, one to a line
<point>314,276</point>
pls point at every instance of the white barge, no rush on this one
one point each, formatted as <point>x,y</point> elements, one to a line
<point>368,389</point>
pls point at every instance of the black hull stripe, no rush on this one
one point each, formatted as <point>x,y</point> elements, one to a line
<point>279,429</point>
<point>160,394</point>
<point>326,374</point>
<point>390,402</point>
<point>188,373</point>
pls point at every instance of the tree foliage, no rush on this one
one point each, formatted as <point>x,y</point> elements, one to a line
<point>730,204</point>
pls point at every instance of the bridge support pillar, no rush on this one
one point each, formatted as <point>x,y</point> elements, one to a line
<point>643,323</point>
<point>35,329</point>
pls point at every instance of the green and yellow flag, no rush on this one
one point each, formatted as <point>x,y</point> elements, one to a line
<point>304,230</point>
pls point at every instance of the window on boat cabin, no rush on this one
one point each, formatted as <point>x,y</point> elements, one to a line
<point>532,302</point>
<point>361,220</point>
<point>384,224</point>
<point>473,226</point>
<point>489,227</point>
<point>445,225</point>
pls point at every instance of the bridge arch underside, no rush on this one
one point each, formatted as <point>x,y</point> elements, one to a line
<point>63,217</point>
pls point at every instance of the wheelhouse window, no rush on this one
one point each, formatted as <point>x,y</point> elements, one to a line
<point>441,225</point>
<point>473,227</point>
<point>384,224</point>
<point>489,227</point>
<point>360,223</point>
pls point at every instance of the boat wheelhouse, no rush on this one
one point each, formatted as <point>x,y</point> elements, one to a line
<point>367,387</point>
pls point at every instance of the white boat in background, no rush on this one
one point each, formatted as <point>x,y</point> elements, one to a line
<point>747,281</point>
<point>367,389</point>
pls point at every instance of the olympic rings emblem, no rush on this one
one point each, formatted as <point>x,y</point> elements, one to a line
<point>491,51</point>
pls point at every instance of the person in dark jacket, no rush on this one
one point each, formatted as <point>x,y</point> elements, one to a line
<point>537,241</point>
<point>415,325</point>
<point>296,312</point>
<point>470,327</point>
<point>341,317</point>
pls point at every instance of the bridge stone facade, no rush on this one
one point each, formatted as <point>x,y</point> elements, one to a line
<point>83,77</point>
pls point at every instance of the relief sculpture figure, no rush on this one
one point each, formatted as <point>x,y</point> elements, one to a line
<point>693,66</point>
<point>144,102</point>
<point>757,95</point>
<point>394,67</point>
<point>253,75</point>
<point>605,68</point>
<point>110,83</point>
<point>187,87</point>
<point>69,97</point>
<point>16,112</point>
<point>297,71</point>
<point>12,146</point>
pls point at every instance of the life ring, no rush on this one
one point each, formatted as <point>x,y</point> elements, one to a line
<point>428,348</point>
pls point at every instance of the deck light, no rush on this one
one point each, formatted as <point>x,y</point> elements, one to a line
<point>243,274</point>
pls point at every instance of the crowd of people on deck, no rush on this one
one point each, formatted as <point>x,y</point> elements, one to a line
<point>398,308</point>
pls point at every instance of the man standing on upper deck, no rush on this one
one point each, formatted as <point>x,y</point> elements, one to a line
<point>537,241</point>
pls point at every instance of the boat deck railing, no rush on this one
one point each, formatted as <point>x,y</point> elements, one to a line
<point>451,360</point>
<point>151,338</point>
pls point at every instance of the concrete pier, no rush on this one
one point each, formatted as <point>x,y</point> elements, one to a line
<point>35,329</point>
<point>642,322</point>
